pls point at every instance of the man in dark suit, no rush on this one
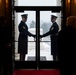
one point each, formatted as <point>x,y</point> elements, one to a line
<point>67,47</point>
<point>53,35</point>
<point>23,37</point>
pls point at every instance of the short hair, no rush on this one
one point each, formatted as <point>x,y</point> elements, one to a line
<point>71,21</point>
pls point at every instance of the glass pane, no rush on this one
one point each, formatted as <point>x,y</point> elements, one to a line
<point>31,24</point>
<point>37,2</point>
<point>45,25</point>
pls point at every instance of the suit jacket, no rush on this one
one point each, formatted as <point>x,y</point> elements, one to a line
<point>67,50</point>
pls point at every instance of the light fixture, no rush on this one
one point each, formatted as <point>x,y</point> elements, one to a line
<point>68,1</point>
<point>0,1</point>
<point>75,1</point>
<point>6,3</point>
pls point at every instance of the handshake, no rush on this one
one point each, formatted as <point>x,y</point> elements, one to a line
<point>39,36</point>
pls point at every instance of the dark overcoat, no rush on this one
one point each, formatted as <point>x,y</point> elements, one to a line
<point>67,49</point>
<point>67,43</point>
<point>23,38</point>
<point>53,36</point>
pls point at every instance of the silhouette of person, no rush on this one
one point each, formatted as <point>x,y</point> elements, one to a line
<point>23,37</point>
<point>53,35</point>
<point>67,46</point>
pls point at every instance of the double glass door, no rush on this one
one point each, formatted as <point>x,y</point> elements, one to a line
<point>38,22</point>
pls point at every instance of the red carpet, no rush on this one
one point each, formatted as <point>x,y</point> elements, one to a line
<point>37,72</point>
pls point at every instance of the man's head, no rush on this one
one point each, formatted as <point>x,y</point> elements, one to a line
<point>24,17</point>
<point>53,18</point>
<point>71,21</point>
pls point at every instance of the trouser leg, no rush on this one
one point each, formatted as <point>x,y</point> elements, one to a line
<point>22,57</point>
<point>54,57</point>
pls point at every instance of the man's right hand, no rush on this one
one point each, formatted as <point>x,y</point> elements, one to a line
<point>41,36</point>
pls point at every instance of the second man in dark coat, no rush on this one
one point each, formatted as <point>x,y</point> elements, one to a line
<point>53,35</point>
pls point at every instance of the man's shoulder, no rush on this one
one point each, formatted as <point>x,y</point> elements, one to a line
<point>21,23</point>
<point>55,24</point>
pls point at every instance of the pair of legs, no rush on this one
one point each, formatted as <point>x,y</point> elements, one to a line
<point>55,58</point>
<point>22,57</point>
